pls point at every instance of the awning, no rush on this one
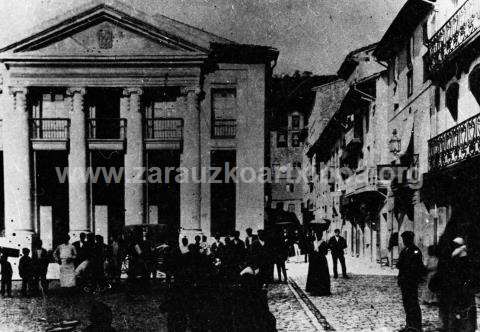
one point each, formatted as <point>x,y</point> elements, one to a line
<point>407,134</point>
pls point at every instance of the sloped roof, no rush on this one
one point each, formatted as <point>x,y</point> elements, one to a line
<point>120,10</point>
<point>411,14</point>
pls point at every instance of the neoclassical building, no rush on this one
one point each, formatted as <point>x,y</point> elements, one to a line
<point>108,88</point>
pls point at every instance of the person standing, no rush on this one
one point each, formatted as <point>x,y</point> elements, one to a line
<point>66,254</point>
<point>40,266</point>
<point>7,273</point>
<point>80,248</point>
<point>248,239</point>
<point>318,277</point>
<point>25,270</point>
<point>410,273</point>
<point>261,258</point>
<point>337,244</point>
<point>281,255</point>
<point>457,280</point>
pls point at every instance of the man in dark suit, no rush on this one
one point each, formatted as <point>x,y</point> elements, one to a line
<point>337,244</point>
<point>80,248</point>
<point>40,266</point>
<point>410,273</point>
<point>261,258</point>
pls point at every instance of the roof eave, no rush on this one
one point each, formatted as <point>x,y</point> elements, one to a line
<point>411,14</point>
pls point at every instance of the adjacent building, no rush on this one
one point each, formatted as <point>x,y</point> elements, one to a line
<point>408,133</point>
<point>291,104</point>
<point>343,152</point>
<point>108,88</point>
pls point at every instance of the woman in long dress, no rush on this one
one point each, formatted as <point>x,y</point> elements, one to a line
<point>318,278</point>
<point>65,255</point>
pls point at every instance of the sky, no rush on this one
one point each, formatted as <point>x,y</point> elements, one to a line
<point>311,35</point>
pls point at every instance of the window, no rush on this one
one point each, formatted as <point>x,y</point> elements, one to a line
<point>452,100</point>
<point>367,121</point>
<point>224,110</point>
<point>410,83</point>
<point>310,187</point>
<point>297,165</point>
<point>289,187</point>
<point>295,139</point>
<point>296,122</point>
<point>291,208</point>
<point>474,82</point>
<point>437,98</point>
<point>281,139</point>
<point>409,53</point>
<point>426,66</point>
<point>425,32</point>
<point>224,103</point>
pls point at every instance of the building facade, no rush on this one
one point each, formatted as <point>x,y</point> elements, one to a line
<point>151,104</point>
<point>343,154</point>
<point>422,147</point>
<point>291,105</point>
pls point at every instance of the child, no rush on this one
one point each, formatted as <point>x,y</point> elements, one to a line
<point>25,270</point>
<point>6,275</point>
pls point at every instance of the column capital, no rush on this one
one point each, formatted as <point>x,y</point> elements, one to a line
<point>18,90</point>
<point>185,90</point>
<point>132,90</point>
<point>76,90</point>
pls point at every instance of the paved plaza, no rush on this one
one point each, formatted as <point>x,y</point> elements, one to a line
<point>369,301</point>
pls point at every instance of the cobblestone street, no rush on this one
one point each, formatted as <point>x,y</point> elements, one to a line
<point>363,302</point>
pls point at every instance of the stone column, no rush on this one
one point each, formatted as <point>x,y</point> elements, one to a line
<point>134,158</point>
<point>190,189</point>
<point>78,186</point>
<point>18,178</point>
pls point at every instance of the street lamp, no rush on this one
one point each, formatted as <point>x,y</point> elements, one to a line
<point>394,143</point>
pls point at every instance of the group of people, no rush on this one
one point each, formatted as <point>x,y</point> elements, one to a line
<point>452,276</point>
<point>219,286</point>
<point>32,270</point>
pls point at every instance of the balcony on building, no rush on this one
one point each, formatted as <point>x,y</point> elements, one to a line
<point>224,113</point>
<point>107,133</point>
<point>224,128</point>
<point>50,133</point>
<point>455,145</point>
<point>164,133</point>
<point>455,35</point>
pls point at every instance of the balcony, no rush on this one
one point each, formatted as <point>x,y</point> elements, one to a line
<point>224,128</point>
<point>454,34</point>
<point>49,133</point>
<point>455,145</point>
<point>164,133</point>
<point>106,133</point>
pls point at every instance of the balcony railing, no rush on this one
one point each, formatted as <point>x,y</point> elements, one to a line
<point>224,128</point>
<point>455,145</point>
<point>50,129</point>
<point>107,129</point>
<point>462,25</point>
<point>164,129</point>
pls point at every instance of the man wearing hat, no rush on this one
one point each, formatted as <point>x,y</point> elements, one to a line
<point>410,273</point>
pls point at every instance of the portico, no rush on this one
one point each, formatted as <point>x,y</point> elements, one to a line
<point>107,82</point>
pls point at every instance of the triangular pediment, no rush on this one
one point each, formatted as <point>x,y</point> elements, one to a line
<point>110,28</point>
<point>107,38</point>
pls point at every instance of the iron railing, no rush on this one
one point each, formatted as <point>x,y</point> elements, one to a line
<point>164,129</point>
<point>50,128</point>
<point>463,24</point>
<point>107,128</point>
<point>224,128</point>
<point>455,144</point>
